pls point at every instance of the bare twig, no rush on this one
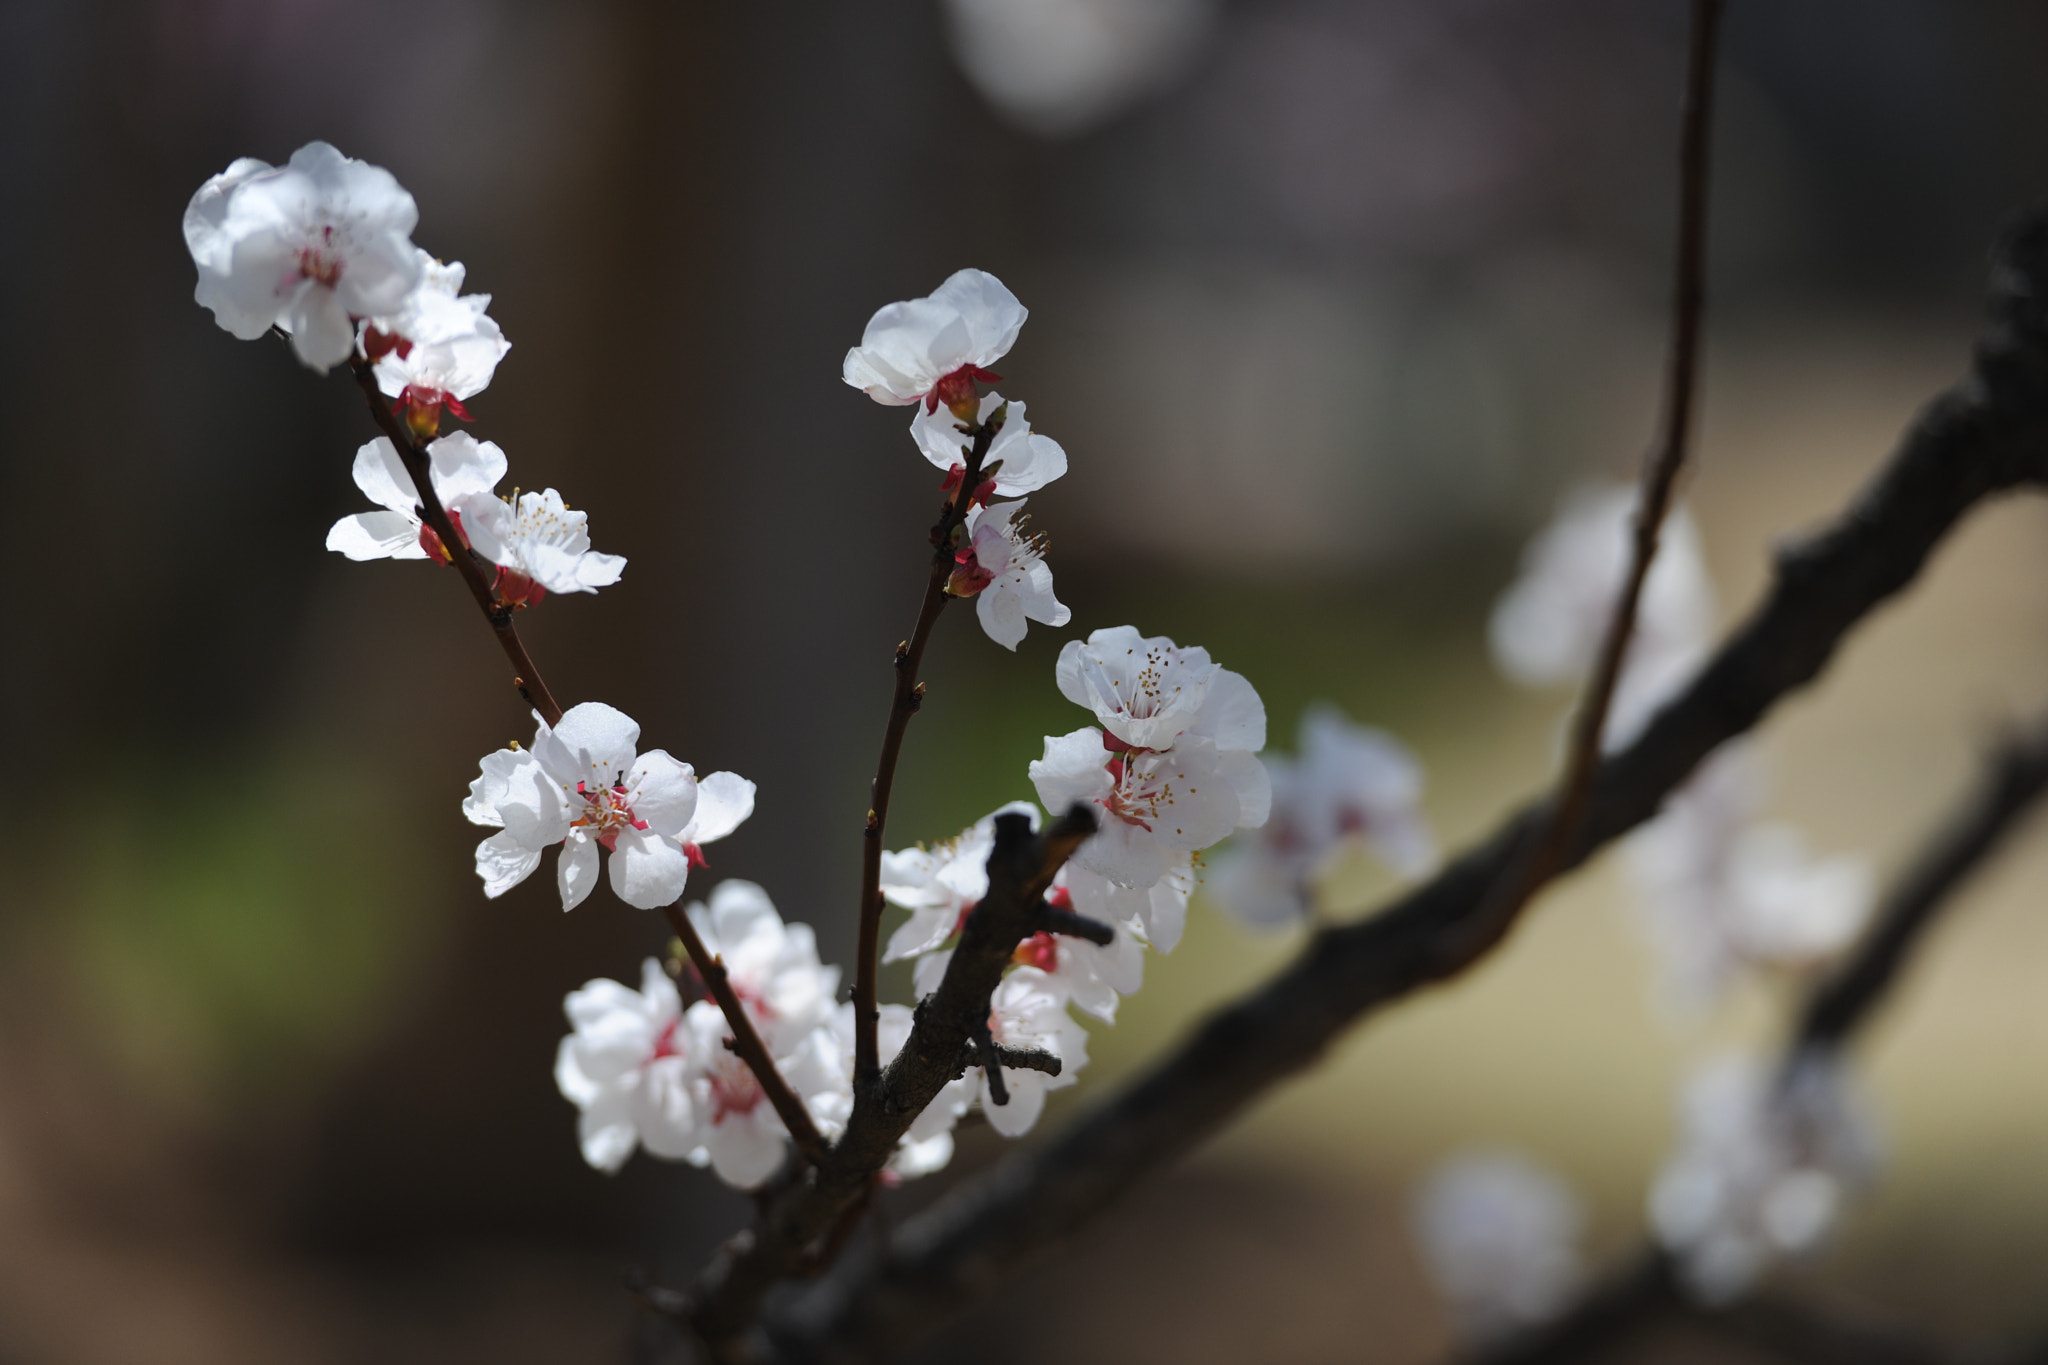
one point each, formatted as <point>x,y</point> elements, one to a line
<point>1987,435</point>
<point>909,695</point>
<point>1660,473</point>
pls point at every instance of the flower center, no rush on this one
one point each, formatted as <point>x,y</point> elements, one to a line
<point>1140,794</point>
<point>606,811</point>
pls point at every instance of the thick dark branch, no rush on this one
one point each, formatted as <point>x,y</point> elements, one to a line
<point>908,697</point>
<point>1986,435</point>
<point>1660,469</point>
<point>525,676</point>
<point>1806,1335</point>
<point>746,1041</point>
<point>2016,776</point>
<point>727,1297</point>
<point>1051,921</point>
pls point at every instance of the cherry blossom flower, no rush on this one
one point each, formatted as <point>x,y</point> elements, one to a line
<point>1350,787</point>
<point>935,348</point>
<point>1723,895</point>
<point>461,465</point>
<point>308,246</point>
<point>625,1070</point>
<point>787,993</point>
<point>1548,626</point>
<point>439,348</point>
<point>772,967</point>
<point>1146,691</point>
<point>1022,460</point>
<point>583,786</point>
<point>538,543</point>
<point>927,1146</point>
<point>1763,1167</point>
<point>1157,914</point>
<point>939,885</point>
<point>724,801</point>
<point>1028,1011</point>
<point>1154,804</point>
<point>1003,568</point>
<point>1499,1236</point>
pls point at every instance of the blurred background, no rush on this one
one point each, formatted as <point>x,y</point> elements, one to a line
<point>1331,300</point>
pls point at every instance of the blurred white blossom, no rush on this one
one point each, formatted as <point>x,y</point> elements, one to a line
<point>1764,1164</point>
<point>1060,67</point>
<point>1349,787</point>
<point>1500,1237</point>
<point>1547,628</point>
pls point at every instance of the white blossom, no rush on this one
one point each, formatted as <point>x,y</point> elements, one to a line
<point>1058,67</point>
<point>1548,627</point>
<point>626,1071</point>
<point>461,465</point>
<point>1724,895</point>
<point>1763,1167</point>
<point>1157,914</point>
<point>440,346</point>
<point>582,786</point>
<point>939,885</point>
<point>540,543</point>
<point>1152,804</point>
<point>1350,786</point>
<point>1499,1236</point>
<point>935,348</point>
<point>1003,568</point>
<point>773,967</point>
<point>308,246</point>
<point>1022,460</point>
<point>1028,1012</point>
<point>739,1134</point>
<point>1146,691</point>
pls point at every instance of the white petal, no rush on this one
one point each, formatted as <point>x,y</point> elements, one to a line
<point>576,871</point>
<point>384,478</point>
<point>663,792</point>
<point>647,871</point>
<point>605,1131</point>
<point>377,535</point>
<point>724,801</point>
<point>503,862</point>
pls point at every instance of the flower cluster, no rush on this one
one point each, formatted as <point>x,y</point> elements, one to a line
<point>1172,767</point>
<point>1499,1236</point>
<point>1350,788</point>
<point>1762,1170</point>
<point>934,352</point>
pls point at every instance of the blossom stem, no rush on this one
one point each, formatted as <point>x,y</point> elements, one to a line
<point>1659,480</point>
<point>909,695</point>
<point>525,675</point>
<point>746,1040</point>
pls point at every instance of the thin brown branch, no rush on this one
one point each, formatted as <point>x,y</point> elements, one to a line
<point>908,696</point>
<point>1660,468</point>
<point>746,1040</point>
<point>1986,435</point>
<point>525,674</point>
<point>526,677</point>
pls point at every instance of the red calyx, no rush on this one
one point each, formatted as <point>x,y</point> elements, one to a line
<point>431,543</point>
<point>958,392</point>
<point>515,589</point>
<point>377,345</point>
<point>969,578</point>
<point>1041,950</point>
<point>695,855</point>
